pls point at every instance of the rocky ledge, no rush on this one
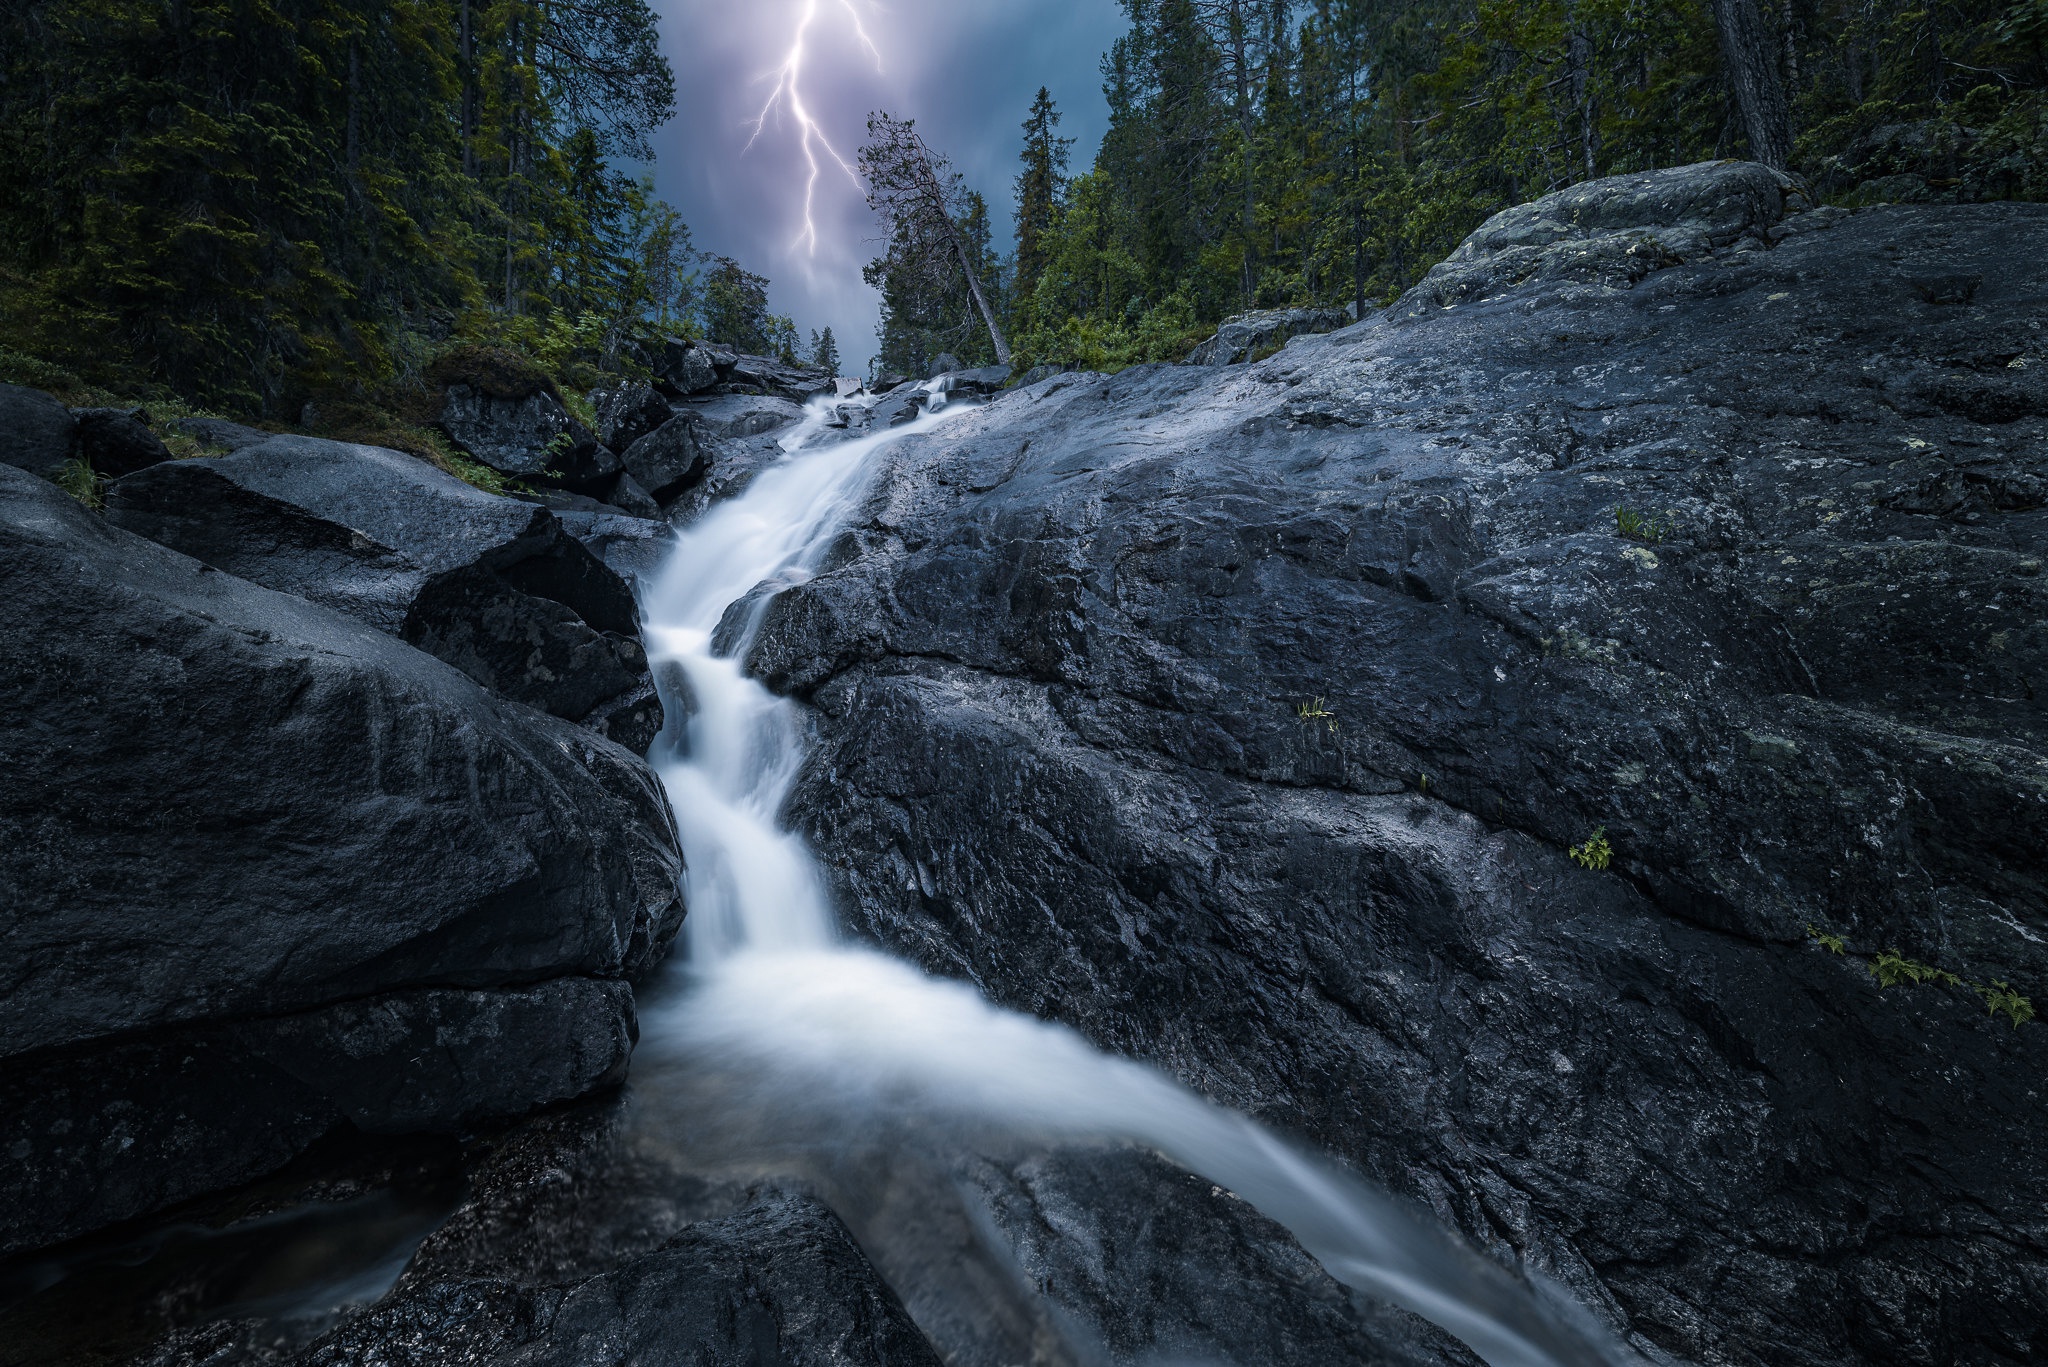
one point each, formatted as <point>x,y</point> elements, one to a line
<point>1468,737</point>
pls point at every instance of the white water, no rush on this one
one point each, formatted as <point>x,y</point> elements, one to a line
<point>807,1035</point>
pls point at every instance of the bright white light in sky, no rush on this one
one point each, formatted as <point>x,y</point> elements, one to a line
<point>773,98</point>
<point>788,96</point>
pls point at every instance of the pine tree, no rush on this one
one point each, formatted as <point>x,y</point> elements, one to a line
<point>1039,190</point>
<point>825,352</point>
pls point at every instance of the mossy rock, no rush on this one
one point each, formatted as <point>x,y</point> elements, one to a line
<point>495,371</point>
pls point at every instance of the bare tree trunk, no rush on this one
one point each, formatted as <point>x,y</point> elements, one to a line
<point>937,194</point>
<point>988,315</point>
<point>1749,55</point>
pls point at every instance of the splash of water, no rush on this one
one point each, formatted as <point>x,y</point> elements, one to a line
<point>808,1035</point>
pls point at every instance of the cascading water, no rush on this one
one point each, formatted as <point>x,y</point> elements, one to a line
<point>817,1041</point>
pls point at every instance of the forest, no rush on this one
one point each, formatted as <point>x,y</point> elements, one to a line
<point>1268,153</point>
<point>256,204</point>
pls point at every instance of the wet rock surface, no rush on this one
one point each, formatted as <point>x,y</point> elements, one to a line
<point>1244,719</point>
<point>494,586</point>
<point>576,1244</point>
<point>1249,336</point>
<point>269,871</point>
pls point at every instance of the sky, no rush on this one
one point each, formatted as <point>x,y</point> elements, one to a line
<point>965,70</point>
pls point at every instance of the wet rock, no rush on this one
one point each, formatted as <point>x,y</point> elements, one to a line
<point>220,434</point>
<point>266,870</point>
<point>686,368</point>
<point>1244,721</point>
<point>670,460</point>
<point>627,412</point>
<point>36,431</point>
<point>532,436</point>
<point>1612,233</point>
<point>1250,336</point>
<point>745,415</point>
<point>116,441</point>
<point>943,363</point>
<point>767,375</point>
<point>494,586</point>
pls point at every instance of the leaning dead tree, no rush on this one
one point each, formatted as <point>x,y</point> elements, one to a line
<point>910,189</point>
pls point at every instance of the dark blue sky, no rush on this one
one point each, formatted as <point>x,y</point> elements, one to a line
<point>964,69</point>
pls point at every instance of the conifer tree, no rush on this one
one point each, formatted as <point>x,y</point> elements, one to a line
<point>1039,190</point>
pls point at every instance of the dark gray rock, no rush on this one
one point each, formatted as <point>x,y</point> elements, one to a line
<point>1244,721</point>
<point>745,415</point>
<point>1039,372</point>
<point>1250,336</point>
<point>220,434</point>
<point>36,431</point>
<point>685,368</point>
<point>981,382</point>
<point>767,375</point>
<point>634,548</point>
<point>943,363</point>
<point>627,411</point>
<point>1612,233</point>
<point>264,869</point>
<point>534,436</point>
<point>116,441</point>
<point>670,460</point>
<point>494,586</point>
<point>776,1284</point>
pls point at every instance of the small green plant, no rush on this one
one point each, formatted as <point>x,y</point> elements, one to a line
<point>1893,969</point>
<point>1313,714</point>
<point>561,445</point>
<point>1648,528</point>
<point>82,482</point>
<point>2003,1001</point>
<point>1834,944</point>
<point>1595,853</point>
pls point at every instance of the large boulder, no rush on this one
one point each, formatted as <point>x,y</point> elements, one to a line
<point>532,436</point>
<point>36,431</point>
<point>744,415</point>
<point>767,375</point>
<point>627,411</point>
<point>494,586</point>
<point>674,458</point>
<point>266,871</point>
<point>685,368</point>
<point>1249,721</point>
<point>1612,233</point>
<point>1252,336</point>
<point>117,441</point>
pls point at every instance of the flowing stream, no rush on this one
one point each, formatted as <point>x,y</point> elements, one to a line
<point>809,1036</point>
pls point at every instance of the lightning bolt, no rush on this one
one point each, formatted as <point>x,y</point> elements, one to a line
<point>787,93</point>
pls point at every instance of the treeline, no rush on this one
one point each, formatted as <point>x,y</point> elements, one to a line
<point>1264,153</point>
<point>252,202</point>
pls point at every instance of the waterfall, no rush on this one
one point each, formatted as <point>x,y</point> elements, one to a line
<point>802,1035</point>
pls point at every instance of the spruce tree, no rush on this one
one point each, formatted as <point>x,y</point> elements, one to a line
<point>1039,190</point>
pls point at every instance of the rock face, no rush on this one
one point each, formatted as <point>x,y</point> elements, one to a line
<point>745,415</point>
<point>36,431</point>
<point>116,441</point>
<point>1251,336</point>
<point>265,870</point>
<point>627,412</point>
<point>530,436</point>
<point>1244,719</point>
<point>496,587</point>
<point>1615,232</point>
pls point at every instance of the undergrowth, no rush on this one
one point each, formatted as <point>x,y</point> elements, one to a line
<point>1595,853</point>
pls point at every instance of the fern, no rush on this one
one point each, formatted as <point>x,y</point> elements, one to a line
<point>1595,853</point>
<point>2000,999</point>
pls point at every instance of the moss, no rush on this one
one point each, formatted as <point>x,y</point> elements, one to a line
<point>497,371</point>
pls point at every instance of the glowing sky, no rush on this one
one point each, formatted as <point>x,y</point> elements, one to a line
<point>964,69</point>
